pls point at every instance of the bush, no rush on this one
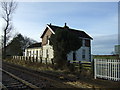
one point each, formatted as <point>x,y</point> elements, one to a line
<point>71,67</point>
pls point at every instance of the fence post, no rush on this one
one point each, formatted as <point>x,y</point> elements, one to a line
<point>52,61</point>
<point>36,59</point>
<point>20,58</point>
<point>80,66</point>
<point>46,60</point>
<point>94,68</point>
<point>118,70</point>
<point>40,59</point>
<point>30,60</point>
<point>107,68</point>
<point>114,69</point>
<point>110,68</point>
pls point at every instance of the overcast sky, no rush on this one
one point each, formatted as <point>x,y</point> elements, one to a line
<point>98,19</point>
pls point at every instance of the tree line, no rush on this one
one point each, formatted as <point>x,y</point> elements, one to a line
<point>18,44</point>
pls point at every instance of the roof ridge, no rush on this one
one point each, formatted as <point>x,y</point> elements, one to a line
<point>63,27</point>
<point>78,32</point>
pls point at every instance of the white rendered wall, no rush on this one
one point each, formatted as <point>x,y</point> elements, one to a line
<point>79,54</point>
<point>50,51</point>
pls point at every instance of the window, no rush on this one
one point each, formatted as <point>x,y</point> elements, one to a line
<point>74,55</point>
<point>83,54</point>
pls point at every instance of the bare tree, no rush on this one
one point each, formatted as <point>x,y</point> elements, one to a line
<point>8,9</point>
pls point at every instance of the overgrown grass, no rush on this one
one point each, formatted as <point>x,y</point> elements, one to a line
<point>32,65</point>
<point>50,68</point>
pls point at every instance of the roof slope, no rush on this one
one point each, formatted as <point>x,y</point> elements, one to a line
<point>35,45</point>
<point>77,32</point>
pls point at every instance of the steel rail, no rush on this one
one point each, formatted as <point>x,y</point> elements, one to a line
<point>54,82</point>
<point>20,80</point>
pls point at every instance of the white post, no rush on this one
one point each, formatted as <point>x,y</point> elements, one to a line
<point>95,68</point>
<point>114,69</point>
<point>102,70</point>
<point>25,58</point>
<point>111,69</point>
<point>118,69</point>
<point>108,68</point>
<point>103,62</point>
<point>105,68</point>
<point>98,67</point>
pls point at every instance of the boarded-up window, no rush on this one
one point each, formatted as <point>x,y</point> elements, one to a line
<point>87,43</point>
<point>83,54</point>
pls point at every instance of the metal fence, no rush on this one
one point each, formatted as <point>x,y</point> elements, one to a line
<point>107,69</point>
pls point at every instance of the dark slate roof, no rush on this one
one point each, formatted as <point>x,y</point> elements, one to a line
<point>77,32</point>
<point>35,45</point>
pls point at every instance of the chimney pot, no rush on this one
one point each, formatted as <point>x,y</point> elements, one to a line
<point>65,24</point>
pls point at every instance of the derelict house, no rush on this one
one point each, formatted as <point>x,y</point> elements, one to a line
<point>34,51</point>
<point>47,52</point>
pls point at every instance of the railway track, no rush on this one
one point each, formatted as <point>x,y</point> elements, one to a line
<point>11,81</point>
<point>36,78</point>
<point>45,74</point>
<point>55,81</point>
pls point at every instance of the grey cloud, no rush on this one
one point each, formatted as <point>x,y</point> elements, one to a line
<point>104,44</point>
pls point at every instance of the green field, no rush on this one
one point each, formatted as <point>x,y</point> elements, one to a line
<point>106,57</point>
